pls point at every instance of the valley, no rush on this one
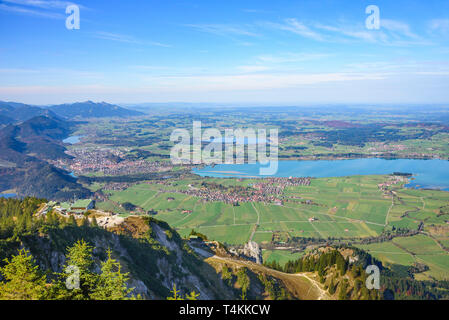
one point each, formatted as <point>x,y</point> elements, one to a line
<point>398,214</point>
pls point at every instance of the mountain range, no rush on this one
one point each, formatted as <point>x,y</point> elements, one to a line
<point>13,112</point>
<point>90,109</point>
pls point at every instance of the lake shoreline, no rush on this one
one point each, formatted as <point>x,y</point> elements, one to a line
<point>427,173</point>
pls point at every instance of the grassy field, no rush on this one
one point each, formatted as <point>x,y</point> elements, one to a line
<point>347,207</point>
<point>342,207</point>
<point>409,250</point>
<point>281,256</point>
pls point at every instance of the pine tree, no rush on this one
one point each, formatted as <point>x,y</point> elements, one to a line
<point>192,296</point>
<point>79,256</point>
<point>112,282</point>
<point>22,279</point>
<point>332,287</point>
<point>176,294</point>
<point>243,281</point>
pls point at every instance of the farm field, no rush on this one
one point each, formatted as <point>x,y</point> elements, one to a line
<point>346,207</point>
<point>409,250</point>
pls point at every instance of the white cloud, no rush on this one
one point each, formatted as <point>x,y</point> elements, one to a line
<point>393,33</point>
<point>252,69</point>
<point>52,9</point>
<point>32,12</point>
<point>46,4</point>
<point>299,28</point>
<point>126,39</point>
<point>223,29</point>
<point>236,82</point>
<point>258,81</point>
<point>292,57</point>
<point>274,89</point>
<point>16,71</point>
<point>397,27</point>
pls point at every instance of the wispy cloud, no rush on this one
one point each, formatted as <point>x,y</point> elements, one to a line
<point>32,12</point>
<point>206,83</point>
<point>253,68</point>
<point>45,4</point>
<point>398,27</point>
<point>52,9</point>
<point>16,71</point>
<point>126,39</point>
<point>392,32</point>
<point>297,27</point>
<point>224,29</point>
<point>358,33</point>
<point>292,57</point>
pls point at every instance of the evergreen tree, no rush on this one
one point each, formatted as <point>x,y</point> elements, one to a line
<point>176,294</point>
<point>79,256</point>
<point>112,282</point>
<point>332,287</point>
<point>243,281</point>
<point>22,279</point>
<point>343,295</point>
<point>192,296</point>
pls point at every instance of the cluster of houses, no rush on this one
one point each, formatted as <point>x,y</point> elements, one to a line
<point>268,190</point>
<point>395,179</point>
<point>109,161</point>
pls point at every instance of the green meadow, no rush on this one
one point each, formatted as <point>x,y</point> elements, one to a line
<point>281,256</point>
<point>346,207</point>
<point>409,250</point>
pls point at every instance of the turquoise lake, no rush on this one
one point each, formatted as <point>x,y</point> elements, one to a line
<point>72,139</point>
<point>431,174</point>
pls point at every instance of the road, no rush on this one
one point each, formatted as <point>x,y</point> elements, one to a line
<point>301,285</point>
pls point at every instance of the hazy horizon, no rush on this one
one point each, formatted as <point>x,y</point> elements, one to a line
<point>258,52</point>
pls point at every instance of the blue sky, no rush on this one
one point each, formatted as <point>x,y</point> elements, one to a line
<point>262,52</point>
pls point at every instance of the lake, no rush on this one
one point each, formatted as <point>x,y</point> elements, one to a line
<point>8,195</point>
<point>72,174</point>
<point>72,139</point>
<point>432,174</point>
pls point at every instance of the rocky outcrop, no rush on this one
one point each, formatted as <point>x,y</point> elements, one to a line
<point>252,252</point>
<point>151,252</point>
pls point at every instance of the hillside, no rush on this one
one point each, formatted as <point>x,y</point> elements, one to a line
<point>26,147</point>
<point>11,112</point>
<point>302,286</point>
<point>153,254</point>
<point>153,258</point>
<point>91,109</point>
